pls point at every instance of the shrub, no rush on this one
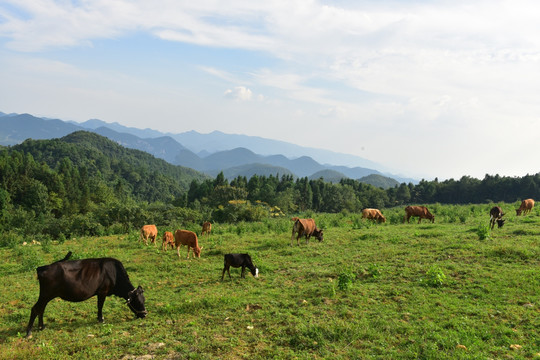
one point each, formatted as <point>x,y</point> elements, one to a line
<point>435,277</point>
<point>9,239</point>
<point>345,280</point>
<point>482,231</point>
<point>30,258</point>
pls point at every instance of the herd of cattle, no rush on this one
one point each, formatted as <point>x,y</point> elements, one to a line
<point>78,280</point>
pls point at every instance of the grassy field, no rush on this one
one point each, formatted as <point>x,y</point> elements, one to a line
<point>448,290</point>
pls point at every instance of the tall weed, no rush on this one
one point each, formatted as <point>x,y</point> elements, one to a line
<point>482,231</point>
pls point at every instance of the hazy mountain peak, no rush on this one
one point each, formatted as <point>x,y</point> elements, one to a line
<point>216,150</point>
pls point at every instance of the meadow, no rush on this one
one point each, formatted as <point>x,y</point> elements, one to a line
<point>449,290</point>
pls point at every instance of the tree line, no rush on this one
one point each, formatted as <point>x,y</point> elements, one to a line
<point>85,184</point>
<point>301,194</point>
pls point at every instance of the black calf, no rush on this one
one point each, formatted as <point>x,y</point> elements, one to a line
<point>237,260</point>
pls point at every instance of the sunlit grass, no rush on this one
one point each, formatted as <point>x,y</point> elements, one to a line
<point>408,291</point>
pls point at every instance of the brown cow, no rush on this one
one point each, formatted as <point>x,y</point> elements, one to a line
<point>495,216</point>
<point>307,228</point>
<point>168,239</point>
<point>149,232</point>
<point>526,207</point>
<point>373,214</point>
<point>189,238</point>
<point>421,211</point>
<point>206,228</point>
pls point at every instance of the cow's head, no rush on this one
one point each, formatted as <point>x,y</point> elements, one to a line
<point>518,212</point>
<point>255,271</point>
<point>197,251</point>
<point>500,222</point>
<point>135,302</point>
<point>318,234</point>
<point>381,219</point>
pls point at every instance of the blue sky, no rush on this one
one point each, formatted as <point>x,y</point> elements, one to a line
<point>426,88</point>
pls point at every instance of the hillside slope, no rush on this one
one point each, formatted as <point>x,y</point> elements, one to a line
<point>143,175</point>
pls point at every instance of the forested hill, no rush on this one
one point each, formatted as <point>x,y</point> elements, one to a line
<point>136,173</point>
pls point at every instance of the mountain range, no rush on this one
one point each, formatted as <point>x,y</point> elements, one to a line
<point>235,155</point>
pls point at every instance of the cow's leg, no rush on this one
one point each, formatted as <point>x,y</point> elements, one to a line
<point>223,272</point>
<point>419,219</point>
<point>33,315</point>
<point>100,302</point>
<point>178,250</point>
<point>292,237</point>
<point>188,252</point>
<point>242,274</point>
<point>37,311</point>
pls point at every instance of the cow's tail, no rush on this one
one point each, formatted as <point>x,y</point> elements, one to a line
<point>68,255</point>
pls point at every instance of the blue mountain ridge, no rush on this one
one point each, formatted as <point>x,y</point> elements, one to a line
<point>197,151</point>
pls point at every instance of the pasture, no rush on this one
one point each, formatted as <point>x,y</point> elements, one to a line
<point>448,290</point>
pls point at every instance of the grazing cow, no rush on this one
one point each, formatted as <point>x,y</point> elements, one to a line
<point>421,211</point>
<point>189,238</point>
<point>78,280</point>
<point>495,216</point>
<point>373,214</point>
<point>149,232</point>
<point>525,207</point>
<point>307,228</point>
<point>237,260</point>
<point>168,239</point>
<point>206,228</point>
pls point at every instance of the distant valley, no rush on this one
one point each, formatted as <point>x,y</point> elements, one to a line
<point>238,155</point>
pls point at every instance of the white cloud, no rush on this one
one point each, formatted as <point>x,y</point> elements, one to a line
<point>239,93</point>
<point>437,71</point>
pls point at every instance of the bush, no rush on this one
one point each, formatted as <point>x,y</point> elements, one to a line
<point>482,231</point>
<point>345,280</point>
<point>9,239</point>
<point>240,210</point>
<point>434,277</point>
<point>30,258</point>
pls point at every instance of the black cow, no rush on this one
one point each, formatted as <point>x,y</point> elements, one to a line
<point>237,260</point>
<point>78,280</point>
<point>495,215</point>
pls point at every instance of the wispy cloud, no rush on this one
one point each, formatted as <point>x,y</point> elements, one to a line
<point>464,66</point>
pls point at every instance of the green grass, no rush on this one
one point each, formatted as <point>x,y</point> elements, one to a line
<point>408,291</point>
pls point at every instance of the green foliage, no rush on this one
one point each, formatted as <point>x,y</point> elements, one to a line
<point>84,184</point>
<point>29,257</point>
<point>435,277</point>
<point>9,239</point>
<point>241,210</point>
<point>345,280</point>
<point>482,231</point>
<point>373,271</point>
